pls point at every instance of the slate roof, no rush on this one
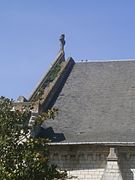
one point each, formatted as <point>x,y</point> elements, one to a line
<point>96,104</point>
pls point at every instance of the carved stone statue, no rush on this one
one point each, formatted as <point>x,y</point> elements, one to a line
<point>62,42</point>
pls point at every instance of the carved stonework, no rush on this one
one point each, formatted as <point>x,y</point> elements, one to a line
<point>112,155</point>
<point>112,170</point>
<point>62,42</point>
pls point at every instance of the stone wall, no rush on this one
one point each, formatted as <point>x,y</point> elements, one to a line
<point>81,162</point>
<point>127,162</point>
<point>89,162</point>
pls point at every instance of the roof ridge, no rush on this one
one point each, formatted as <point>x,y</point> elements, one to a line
<point>105,61</point>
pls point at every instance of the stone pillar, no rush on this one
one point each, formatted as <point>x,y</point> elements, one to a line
<point>112,170</point>
<point>34,130</point>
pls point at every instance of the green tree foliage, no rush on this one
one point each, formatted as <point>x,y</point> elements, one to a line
<point>21,156</point>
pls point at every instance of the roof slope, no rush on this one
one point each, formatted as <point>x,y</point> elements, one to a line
<point>96,104</point>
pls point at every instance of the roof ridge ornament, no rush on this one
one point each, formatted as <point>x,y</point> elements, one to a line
<point>62,42</point>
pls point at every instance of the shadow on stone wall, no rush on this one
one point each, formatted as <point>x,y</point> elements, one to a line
<point>90,160</point>
<point>79,157</point>
<point>126,163</point>
<point>81,161</point>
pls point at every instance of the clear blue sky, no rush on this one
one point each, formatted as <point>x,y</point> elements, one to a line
<point>30,29</point>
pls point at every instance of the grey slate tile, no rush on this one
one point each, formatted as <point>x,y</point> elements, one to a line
<point>97,103</point>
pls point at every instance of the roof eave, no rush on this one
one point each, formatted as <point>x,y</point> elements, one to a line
<point>95,143</point>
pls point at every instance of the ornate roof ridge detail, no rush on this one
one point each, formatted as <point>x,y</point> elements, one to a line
<point>51,74</point>
<point>62,42</point>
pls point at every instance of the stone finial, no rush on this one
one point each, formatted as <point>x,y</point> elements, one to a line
<point>112,170</point>
<point>21,99</point>
<point>62,42</point>
<point>112,155</point>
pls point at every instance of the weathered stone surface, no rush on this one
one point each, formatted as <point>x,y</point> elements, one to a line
<point>90,162</point>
